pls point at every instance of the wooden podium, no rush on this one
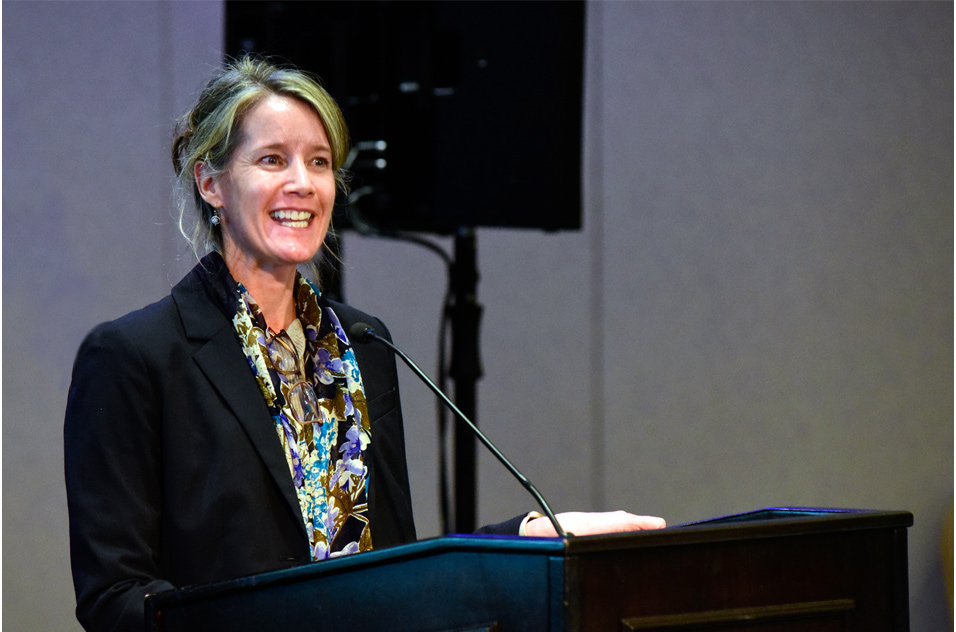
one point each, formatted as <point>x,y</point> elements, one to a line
<point>794,570</point>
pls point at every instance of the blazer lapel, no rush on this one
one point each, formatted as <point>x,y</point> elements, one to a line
<point>222,361</point>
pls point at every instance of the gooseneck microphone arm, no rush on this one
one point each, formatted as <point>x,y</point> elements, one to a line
<point>361,332</point>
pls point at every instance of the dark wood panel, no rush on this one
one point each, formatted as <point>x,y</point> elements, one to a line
<point>865,567</point>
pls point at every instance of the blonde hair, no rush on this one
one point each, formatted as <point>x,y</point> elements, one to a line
<point>212,129</point>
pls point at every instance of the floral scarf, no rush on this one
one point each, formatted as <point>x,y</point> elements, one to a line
<point>327,458</point>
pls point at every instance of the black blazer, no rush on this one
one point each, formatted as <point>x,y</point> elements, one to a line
<point>174,473</point>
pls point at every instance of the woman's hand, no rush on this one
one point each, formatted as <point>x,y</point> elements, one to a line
<point>592,523</point>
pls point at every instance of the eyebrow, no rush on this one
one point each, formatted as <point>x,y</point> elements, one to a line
<point>280,145</point>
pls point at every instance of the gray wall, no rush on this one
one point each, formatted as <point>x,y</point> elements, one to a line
<point>758,312</point>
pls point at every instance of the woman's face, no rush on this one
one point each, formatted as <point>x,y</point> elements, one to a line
<point>277,192</point>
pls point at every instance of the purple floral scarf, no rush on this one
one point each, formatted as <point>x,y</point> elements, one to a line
<point>326,458</point>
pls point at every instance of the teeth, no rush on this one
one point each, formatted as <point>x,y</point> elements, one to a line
<point>295,216</point>
<point>296,219</point>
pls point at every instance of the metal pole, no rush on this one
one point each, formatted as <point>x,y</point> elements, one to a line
<point>466,371</point>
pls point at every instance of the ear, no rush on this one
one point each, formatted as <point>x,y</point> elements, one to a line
<point>208,185</point>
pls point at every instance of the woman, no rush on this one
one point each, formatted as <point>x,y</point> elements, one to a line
<point>231,428</point>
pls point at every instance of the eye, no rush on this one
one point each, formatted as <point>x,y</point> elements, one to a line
<point>320,161</point>
<point>269,160</point>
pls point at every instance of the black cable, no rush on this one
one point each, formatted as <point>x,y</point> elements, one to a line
<point>366,228</point>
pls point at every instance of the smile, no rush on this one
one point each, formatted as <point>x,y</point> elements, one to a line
<point>292,219</point>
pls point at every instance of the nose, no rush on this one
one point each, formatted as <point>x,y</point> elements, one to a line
<point>300,180</point>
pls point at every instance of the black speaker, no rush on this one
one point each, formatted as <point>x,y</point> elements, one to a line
<point>461,113</point>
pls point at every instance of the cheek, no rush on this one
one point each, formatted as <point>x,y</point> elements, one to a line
<point>329,194</point>
<point>238,198</point>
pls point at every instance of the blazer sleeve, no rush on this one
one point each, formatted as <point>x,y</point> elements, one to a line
<point>112,444</point>
<point>508,527</point>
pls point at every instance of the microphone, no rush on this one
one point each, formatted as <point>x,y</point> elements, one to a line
<point>363,333</point>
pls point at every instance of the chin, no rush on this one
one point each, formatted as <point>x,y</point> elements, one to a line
<point>300,251</point>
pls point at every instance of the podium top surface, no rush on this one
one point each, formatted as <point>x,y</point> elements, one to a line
<point>768,522</point>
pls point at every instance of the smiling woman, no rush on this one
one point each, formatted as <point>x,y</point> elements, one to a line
<point>228,429</point>
<point>232,428</point>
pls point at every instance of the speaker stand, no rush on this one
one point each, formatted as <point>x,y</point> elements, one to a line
<point>466,371</point>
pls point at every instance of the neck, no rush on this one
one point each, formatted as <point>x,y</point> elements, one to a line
<point>272,289</point>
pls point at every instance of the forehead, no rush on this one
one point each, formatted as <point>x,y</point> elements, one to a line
<point>282,119</point>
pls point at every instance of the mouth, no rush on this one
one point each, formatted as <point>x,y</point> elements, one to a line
<point>292,219</point>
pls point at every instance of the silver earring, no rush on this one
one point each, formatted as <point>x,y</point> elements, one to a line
<point>215,220</point>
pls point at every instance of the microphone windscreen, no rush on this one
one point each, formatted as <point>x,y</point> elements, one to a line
<point>361,332</point>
